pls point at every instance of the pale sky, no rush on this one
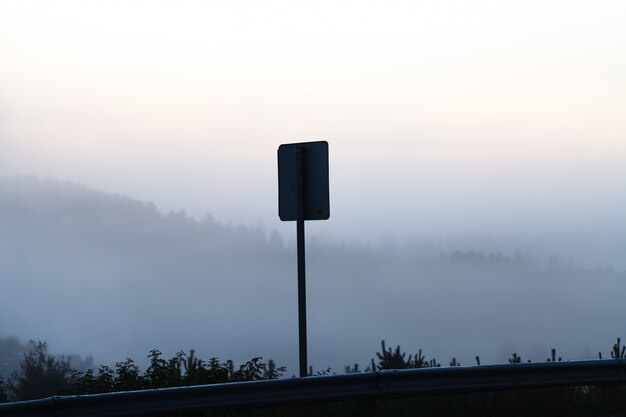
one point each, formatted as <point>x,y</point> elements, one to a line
<point>442,116</point>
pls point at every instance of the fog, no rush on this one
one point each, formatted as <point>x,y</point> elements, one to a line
<point>477,176</point>
<point>109,276</point>
<point>443,117</point>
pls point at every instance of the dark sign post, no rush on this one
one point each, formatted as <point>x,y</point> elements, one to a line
<point>303,195</point>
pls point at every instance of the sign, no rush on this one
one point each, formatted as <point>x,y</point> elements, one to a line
<point>306,164</point>
<point>303,195</point>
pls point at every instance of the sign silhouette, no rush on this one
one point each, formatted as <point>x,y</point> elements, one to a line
<point>303,195</point>
<point>306,163</point>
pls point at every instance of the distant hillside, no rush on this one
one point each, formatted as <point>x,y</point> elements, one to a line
<point>107,275</point>
<point>39,212</point>
<point>84,267</point>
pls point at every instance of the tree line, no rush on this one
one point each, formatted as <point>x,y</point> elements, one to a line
<point>42,374</point>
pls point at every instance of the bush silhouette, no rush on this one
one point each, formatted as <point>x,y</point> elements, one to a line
<point>40,375</point>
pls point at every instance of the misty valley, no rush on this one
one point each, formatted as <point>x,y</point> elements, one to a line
<point>108,277</point>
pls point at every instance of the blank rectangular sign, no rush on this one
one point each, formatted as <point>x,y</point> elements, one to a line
<point>314,181</point>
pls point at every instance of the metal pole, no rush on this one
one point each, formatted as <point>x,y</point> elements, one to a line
<point>301,266</point>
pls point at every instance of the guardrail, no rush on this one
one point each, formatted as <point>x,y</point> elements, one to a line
<point>299,391</point>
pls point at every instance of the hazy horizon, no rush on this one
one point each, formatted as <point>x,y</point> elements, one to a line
<point>107,275</point>
<point>582,246</point>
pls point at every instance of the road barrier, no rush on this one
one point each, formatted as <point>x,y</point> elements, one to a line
<point>321,389</point>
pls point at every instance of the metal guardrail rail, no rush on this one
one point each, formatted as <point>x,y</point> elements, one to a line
<point>299,391</point>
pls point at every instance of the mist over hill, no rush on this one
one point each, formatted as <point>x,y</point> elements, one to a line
<point>109,276</point>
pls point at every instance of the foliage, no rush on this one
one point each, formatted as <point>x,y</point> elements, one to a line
<point>388,359</point>
<point>43,375</point>
<point>180,370</point>
<point>352,369</point>
<point>325,372</point>
<point>3,391</point>
<point>40,375</point>
<point>166,373</point>
<point>618,353</point>
<point>249,371</point>
<point>553,357</point>
<point>515,358</point>
<point>270,371</point>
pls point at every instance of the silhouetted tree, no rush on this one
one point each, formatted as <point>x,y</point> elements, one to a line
<point>352,369</point>
<point>388,359</point>
<point>3,391</point>
<point>127,376</point>
<point>90,383</point>
<point>40,375</point>
<point>191,364</point>
<point>396,359</point>
<point>618,353</point>
<point>553,357</point>
<point>271,371</point>
<point>419,361</point>
<point>249,371</point>
<point>162,373</point>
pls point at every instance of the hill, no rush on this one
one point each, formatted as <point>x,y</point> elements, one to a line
<point>107,275</point>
